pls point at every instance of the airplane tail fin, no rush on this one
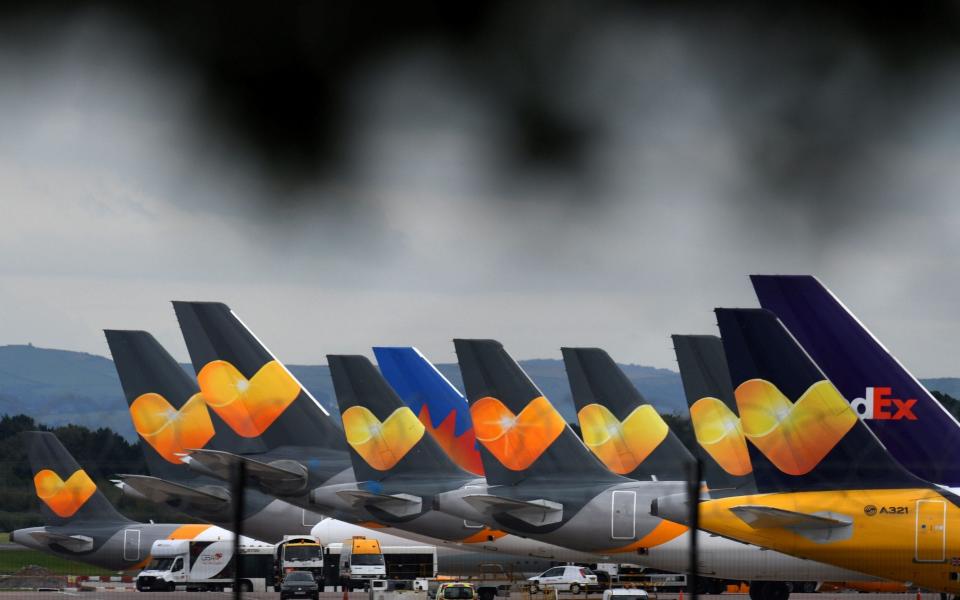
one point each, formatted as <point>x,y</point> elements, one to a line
<point>66,491</point>
<point>803,434</point>
<point>521,434</point>
<point>246,386</point>
<point>621,428</point>
<point>721,445</point>
<point>385,437</point>
<point>165,405</point>
<point>917,430</point>
<point>439,405</point>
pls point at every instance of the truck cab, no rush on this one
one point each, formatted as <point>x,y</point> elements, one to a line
<point>299,553</point>
<point>361,561</point>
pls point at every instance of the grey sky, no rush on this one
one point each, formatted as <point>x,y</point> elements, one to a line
<point>706,161</point>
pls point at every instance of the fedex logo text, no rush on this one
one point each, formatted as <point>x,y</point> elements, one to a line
<point>877,404</point>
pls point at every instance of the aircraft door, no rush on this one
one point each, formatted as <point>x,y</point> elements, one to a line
<point>623,515</point>
<point>131,544</point>
<point>931,531</point>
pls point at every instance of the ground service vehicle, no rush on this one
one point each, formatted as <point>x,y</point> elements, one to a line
<point>298,553</point>
<point>570,577</point>
<point>197,564</point>
<point>403,563</point>
<point>299,584</point>
<point>456,591</point>
<point>625,594</point>
<point>361,560</point>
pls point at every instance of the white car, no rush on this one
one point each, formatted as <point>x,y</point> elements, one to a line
<point>572,578</point>
<point>625,594</point>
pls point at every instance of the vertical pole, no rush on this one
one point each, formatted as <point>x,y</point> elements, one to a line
<point>693,503</point>
<point>238,497</point>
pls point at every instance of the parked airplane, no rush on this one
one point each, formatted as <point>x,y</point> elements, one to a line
<point>233,366</point>
<point>170,418</point>
<point>917,430</point>
<point>401,469</point>
<point>630,436</point>
<point>82,525</point>
<point>542,482</point>
<point>827,488</point>
<point>144,365</point>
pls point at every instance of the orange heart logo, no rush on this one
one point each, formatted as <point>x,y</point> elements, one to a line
<point>794,436</point>
<point>248,406</point>
<point>517,441</point>
<point>169,431</point>
<point>64,497</point>
<point>719,432</point>
<point>622,447</point>
<point>382,445</point>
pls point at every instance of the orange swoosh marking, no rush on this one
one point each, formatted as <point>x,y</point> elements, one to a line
<point>247,406</point>
<point>64,497</point>
<point>187,532</point>
<point>382,444</point>
<point>484,535</point>
<point>517,441</point>
<point>169,431</point>
<point>661,534</point>
<point>622,446</point>
<point>795,437</point>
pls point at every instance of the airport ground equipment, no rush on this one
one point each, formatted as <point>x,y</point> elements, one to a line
<point>207,565</point>
<point>298,553</point>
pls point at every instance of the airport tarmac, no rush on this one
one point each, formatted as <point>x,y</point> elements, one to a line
<point>118,595</point>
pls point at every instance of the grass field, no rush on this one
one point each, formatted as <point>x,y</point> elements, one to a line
<point>12,560</point>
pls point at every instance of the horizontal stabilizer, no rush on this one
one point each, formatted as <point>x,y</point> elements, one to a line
<point>163,491</point>
<point>278,476</point>
<point>534,512</point>
<point>399,505</point>
<point>820,527</point>
<point>74,543</point>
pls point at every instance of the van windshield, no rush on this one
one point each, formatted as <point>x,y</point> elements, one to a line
<point>160,564</point>
<point>367,560</point>
<point>460,592</point>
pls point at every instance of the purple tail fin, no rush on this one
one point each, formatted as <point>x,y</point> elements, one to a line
<point>913,426</point>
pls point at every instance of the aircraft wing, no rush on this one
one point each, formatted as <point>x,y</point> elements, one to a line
<point>534,512</point>
<point>400,505</point>
<point>281,476</point>
<point>818,527</point>
<point>161,490</point>
<point>74,543</point>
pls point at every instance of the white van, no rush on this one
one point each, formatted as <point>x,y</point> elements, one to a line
<point>571,578</point>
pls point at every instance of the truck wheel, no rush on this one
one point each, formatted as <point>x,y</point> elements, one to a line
<point>246,586</point>
<point>486,595</point>
<point>756,590</point>
<point>775,590</point>
<point>534,588</point>
<point>574,588</point>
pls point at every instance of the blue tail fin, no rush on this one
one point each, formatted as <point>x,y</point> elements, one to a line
<point>437,403</point>
<point>803,434</point>
<point>916,428</point>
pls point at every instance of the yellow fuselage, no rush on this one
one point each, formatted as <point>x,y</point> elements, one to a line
<point>904,535</point>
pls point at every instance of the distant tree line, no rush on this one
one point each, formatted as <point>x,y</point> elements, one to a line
<point>102,453</point>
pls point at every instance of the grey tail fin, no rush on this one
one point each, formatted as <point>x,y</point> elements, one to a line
<point>167,412</point>
<point>721,445</point>
<point>224,350</point>
<point>621,428</point>
<point>66,492</point>
<point>521,434</point>
<point>377,450</point>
